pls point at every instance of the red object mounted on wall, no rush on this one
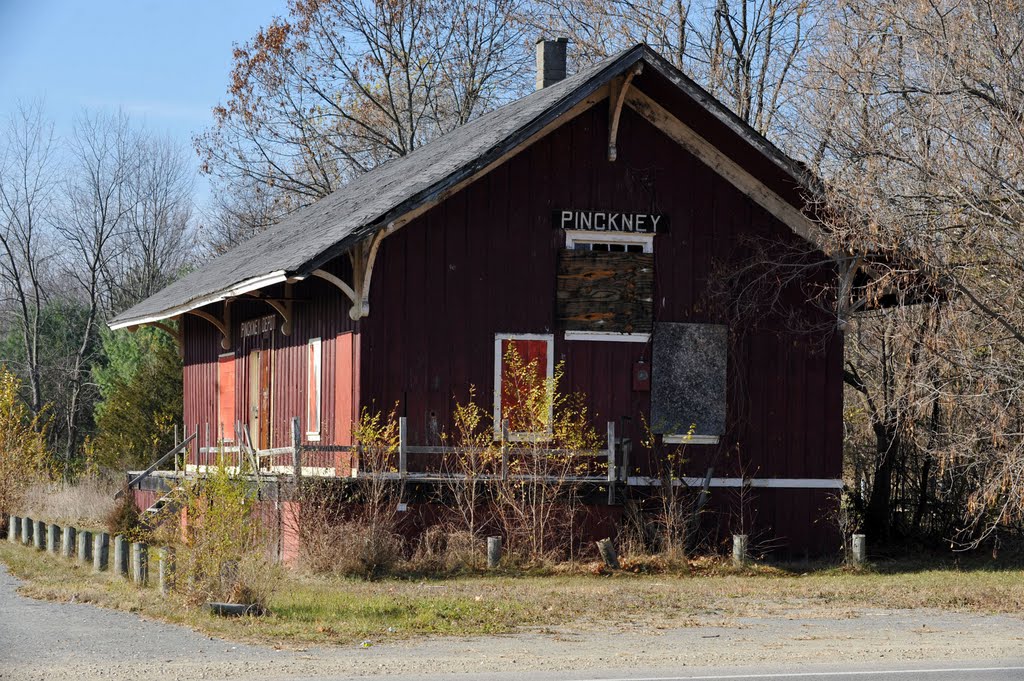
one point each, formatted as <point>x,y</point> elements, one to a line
<point>641,377</point>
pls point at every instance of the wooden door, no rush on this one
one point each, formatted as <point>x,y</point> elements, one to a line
<point>264,399</point>
<point>260,384</point>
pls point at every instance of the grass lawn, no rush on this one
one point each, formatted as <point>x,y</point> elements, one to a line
<point>308,610</point>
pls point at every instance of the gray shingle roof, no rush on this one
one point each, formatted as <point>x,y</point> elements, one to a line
<point>309,237</point>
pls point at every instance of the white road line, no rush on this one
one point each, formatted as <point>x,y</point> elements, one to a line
<point>797,675</point>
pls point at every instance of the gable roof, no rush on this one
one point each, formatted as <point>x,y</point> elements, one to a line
<point>306,239</point>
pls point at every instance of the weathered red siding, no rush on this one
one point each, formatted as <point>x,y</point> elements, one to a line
<point>484,262</point>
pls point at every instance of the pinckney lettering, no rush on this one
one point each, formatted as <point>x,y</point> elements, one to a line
<point>607,221</point>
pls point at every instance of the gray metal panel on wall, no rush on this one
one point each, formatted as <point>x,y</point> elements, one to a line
<point>688,378</point>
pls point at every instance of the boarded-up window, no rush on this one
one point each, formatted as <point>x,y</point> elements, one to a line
<point>688,379</point>
<point>313,384</point>
<point>605,291</point>
<point>523,369</point>
<point>226,396</point>
<point>344,378</point>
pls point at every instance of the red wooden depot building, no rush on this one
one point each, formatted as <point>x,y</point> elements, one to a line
<point>596,222</point>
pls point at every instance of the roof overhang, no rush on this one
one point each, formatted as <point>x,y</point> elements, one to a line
<point>238,289</point>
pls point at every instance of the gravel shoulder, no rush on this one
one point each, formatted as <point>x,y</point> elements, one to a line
<point>50,640</point>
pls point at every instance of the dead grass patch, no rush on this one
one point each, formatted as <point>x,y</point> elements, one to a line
<point>582,597</point>
<point>86,503</point>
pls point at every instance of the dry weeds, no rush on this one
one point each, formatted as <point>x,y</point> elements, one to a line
<point>86,503</point>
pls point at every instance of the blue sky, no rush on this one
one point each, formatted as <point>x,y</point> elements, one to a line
<point>164,63</point>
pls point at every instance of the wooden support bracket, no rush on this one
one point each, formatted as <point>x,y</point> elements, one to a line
<point>223,326</point>
<point>285,308</point>
<point>618,97</point>
<point>363,256</point>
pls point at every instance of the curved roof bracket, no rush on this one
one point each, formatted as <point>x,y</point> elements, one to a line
<point>223,326</point>
<point>618,97</point>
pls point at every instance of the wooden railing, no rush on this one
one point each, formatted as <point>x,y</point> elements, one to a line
<point>156,464</point>
<point>615,455</point>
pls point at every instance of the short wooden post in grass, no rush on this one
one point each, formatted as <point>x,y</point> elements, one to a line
<point>100,551</point>
<point>26,531</point>
<point>120,556</point>
<point>493,552</point>
<point>39,535</point>
<point>858,549</point>
<point>739,550</point>
<point>53,538</point>
<point>608,554</point>
<point>85,547</point>
<point>14,529</point>
<point>166,569</point>
<point>140,563</point>
<point>67,542</point>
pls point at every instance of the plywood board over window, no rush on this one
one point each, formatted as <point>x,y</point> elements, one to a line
<point>605,291</point>
<point>688,381</point>
<point>226,397</point>
<point>535,355</point>
<point>313,388</point>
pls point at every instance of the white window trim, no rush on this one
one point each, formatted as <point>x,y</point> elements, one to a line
<point>685,439</point>
<point>550,372</point>
<point>583,236</point>
<point>314,435</point>
<point>612,336</point>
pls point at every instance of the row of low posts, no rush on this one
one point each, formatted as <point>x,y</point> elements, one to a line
<point>858,549</point>
<point>131,559</point>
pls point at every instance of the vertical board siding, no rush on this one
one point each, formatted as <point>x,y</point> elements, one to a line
<point>484,262</point>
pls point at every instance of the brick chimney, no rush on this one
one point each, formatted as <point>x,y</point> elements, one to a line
<point>550,61</point>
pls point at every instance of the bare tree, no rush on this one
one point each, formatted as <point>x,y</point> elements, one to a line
<point>747,53</point>
<point>97,200</point>
<point>339,87</point>
<point>916,125</point>
<point>27,186</point>
<point>157,240</point>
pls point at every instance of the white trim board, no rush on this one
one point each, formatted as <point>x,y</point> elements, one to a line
<point>583,236</point>
<point>549,338</point>
<point>776,483</point>
<point>238,289</point>
<point>675,439</point>
<point>608,336</point>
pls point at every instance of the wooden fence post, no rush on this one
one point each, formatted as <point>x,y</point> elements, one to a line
<point>67,541</point>
<point>140,563</point>
<point>14,529</point>
<point>739,550</point>
<point>403,443</point>
<point>120,556</point>
<point>53,538</point>
<point>504,449</point>
<point>84,547</point>
<point>296,451</point>
<point>612,473</point>
<point>26,531</point>
<point>100,551</point>
<point>39,536</point>
<point>493,552</point>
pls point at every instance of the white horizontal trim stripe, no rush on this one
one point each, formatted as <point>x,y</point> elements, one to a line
<point>612,336</point>
<point>777,483</point>
<point>690,439</point>
<point>246,286</point>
